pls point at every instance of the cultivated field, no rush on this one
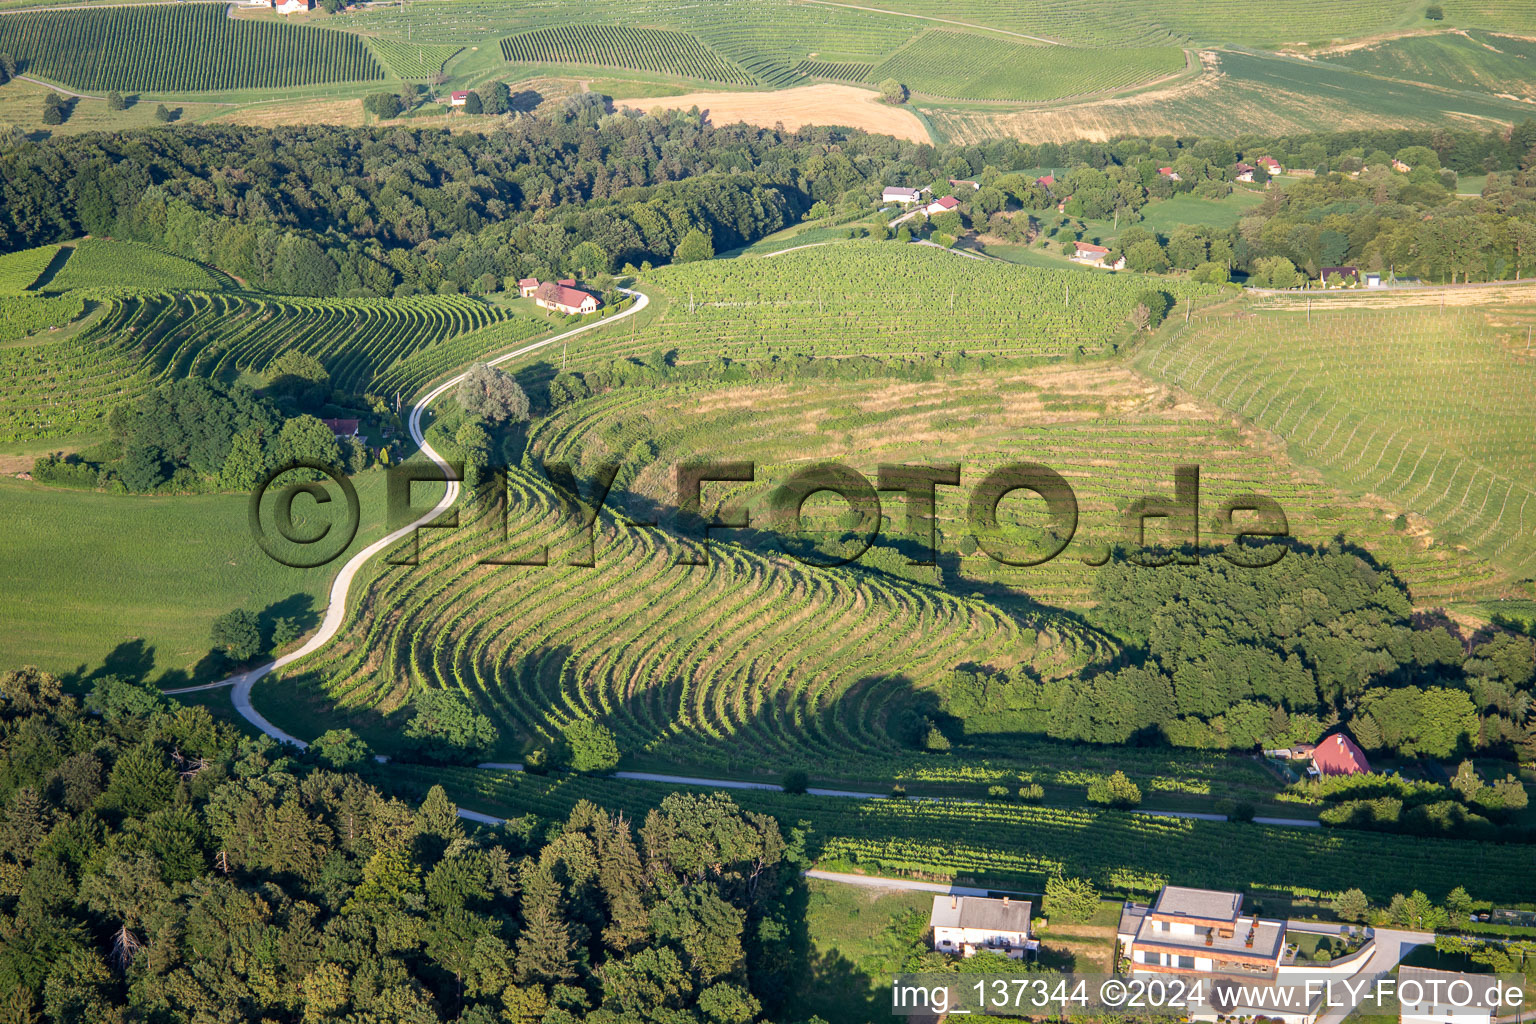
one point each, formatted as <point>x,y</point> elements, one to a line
<point>824,103</point>
<point>1429,410</point>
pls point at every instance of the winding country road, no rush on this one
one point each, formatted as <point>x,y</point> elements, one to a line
<point>336,609</point>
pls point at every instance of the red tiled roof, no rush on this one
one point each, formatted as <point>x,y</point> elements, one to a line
<point>461,95</point>
<point>1339,755</point>
<point>527,282</point>
<point>561,295</point>
<point>1165,170</point>
<point>948,202</point>
<point>567,282</point>
<point>1047,180</point>
<point>1086,247</point>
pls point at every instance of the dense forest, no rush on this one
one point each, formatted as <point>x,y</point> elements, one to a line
<point>1224,657</point>
<point>156,865</point>
<point>321,210</point>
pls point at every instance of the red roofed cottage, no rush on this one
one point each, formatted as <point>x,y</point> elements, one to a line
<point>563,299</point>
<point>1339,755</point>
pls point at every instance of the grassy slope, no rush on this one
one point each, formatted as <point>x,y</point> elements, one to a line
<point>94,576</point>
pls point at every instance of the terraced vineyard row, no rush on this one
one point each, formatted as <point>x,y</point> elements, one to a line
<point>1022,846</point>
<point>180,48</point>
<point>1430,410</point>
<point>844,72</point>
<point>130,266</point>
<point>50,389</point>
<point>19,269</point>
<point>620,46</point>
<point>1110,436</point>
<point>742,663</point>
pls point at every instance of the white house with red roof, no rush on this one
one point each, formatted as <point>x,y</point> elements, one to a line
<point>898,194</point>
<point>1270,164</point>
<point>1245,172</point>
<point>342,428</point>
<point>458,99</point>
<point>1046,180</point>
<point>1096,256</point>
<point>943,205</point>
<point>1169,173</point>
<point>564,299</point>
<point>526,286</point>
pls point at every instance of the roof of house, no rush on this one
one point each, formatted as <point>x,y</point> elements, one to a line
<point>532,282</point>
<point>1268,161</point>
<point>964,181</point>
<point>898,190</point>
<point>1268,939</point>
<point>461,94</point>
<point>948,202</point>
<point>1047,180</point>
<point>1165,170</point>
<point>1241,167</point>
<point>1204,904</point>
<point>344,428</point>
<point>560,294</point>
<point>1339,755</point>
<point>1339,271</point>
<point>1004,915</point>
<point>1089,247</point>
<point>1437,988</point>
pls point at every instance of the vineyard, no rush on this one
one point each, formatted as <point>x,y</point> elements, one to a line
<point>743,663</point>
<point>180,48</point>
<point>21,316</point>
<point>18,270</point>
<point>640,49</point>
<point>1477,61</point>
<point>956,65</point>
<point>366,345</point>
<point>99,264</point>
<point>885,299</point>
<point>413,60</point>
<point>1110,436</point>
<point>1021,846</point>
<point>1430,409</point>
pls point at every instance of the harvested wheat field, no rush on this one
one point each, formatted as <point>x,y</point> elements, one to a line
<point>348,113</point>
<point>793,108</point>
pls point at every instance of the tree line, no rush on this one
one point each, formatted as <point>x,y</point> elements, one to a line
<point>158,865</point>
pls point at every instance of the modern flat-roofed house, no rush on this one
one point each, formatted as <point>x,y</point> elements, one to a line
<point>563,299</point>
<point>897,194</point>
<point>1189,931</point>
<point>968,925</point>
<point>1445,997</point>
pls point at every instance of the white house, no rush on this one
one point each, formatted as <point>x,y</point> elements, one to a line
<point>459,98</point>
<point>1445,997</point>
<point>564,299</point>
<point>1096,256</point>
<point>897,194</point>
<point>293,6</point>
<point>1270,164</point>
<point>943,205</point>
<point>968,925</point>
<point>1200,930</point>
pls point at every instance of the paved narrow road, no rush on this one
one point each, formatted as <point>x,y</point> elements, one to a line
<point>336,608</point>
<point>1392,944</point>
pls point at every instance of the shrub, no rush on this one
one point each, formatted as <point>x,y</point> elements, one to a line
<point>997,792</point>
<point>1070,899</point>
<point>590,746</point>
<point>796,780</point>
<point>236,634</point>
<point>1032,793</point>
<point>1158,304</point>
<point>1434,12</point>
<point>1114,791</point>
<point>892,91</point>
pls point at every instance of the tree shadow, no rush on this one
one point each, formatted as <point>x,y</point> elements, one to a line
<point>525,100</point>
<point>298,607</point>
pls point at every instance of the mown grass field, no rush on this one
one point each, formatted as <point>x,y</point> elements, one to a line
<point>1428,409</point>
<point>132,584</point>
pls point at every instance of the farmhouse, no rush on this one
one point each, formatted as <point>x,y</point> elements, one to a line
<point>342,428</point>
<point>1096,256</point>
<point>1341,274</point>
<point>564,299</point>
<point>1270,164</point>
<point>293,6</point>
<point>1445,997</point>
<point>1338,755</point>
<point>943,205</point>
<point>1046,181</point>
<point>974,924</point>
<point>897,194</point>
<point>1245,172</point>
<point>1200,930</point>
<point>957,182</point>
<point>526,286</point>
<point>458,99</point>
<point>1169,173</point>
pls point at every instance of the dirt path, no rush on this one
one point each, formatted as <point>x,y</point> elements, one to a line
<point>56,88</point>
